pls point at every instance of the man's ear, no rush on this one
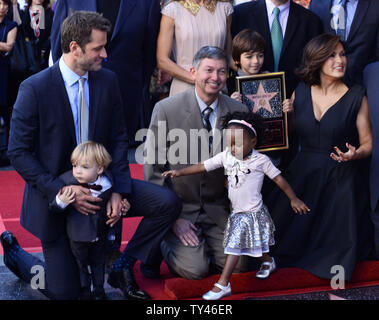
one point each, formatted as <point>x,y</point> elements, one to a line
<point>193,72</point>
<point>75,48</point>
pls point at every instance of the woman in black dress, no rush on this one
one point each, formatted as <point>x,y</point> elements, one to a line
<point>333,126</point>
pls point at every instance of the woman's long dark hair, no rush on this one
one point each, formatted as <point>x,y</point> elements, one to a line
<point>316,52</point>
<point>45,4</point>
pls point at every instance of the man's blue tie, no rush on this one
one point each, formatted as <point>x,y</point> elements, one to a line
<point>341,20</point>
<point>276,38</point>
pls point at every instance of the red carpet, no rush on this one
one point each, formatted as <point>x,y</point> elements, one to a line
<point>282,282</point>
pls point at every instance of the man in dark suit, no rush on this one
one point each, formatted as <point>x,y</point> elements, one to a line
<point>297,27</point>
<point>362,32</point>
<point>371,82</point>
<point>50,117</point>
<point>131,50</point>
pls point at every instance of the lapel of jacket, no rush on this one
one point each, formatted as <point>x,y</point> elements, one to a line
<point>94,95</point>
<point>193,114</point>
<point>360,13</point>
<point>62,100</point>
<point>292,27</point>
<point>264,29</point>
<point>126,7</point>
<point>322,8</point>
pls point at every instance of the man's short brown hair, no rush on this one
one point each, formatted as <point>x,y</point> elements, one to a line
<point>78,27</point>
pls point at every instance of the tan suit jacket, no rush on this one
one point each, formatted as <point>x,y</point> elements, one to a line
<point>198,192</point>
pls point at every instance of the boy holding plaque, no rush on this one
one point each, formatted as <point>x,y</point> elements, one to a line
<point>248,51</point>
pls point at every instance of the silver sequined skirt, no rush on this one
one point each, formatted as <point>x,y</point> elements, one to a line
<point>249,233</point>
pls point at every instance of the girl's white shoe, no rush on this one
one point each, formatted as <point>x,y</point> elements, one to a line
<point>225,291</point>
<point>265,273</point>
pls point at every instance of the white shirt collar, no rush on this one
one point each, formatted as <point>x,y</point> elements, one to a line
<point>271,6</point>
<point>203,105</point>
<point>103,181</point>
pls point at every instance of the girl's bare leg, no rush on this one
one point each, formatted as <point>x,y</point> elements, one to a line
<point>230,263</point>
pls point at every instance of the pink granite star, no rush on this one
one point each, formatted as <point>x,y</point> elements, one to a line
<point>261,99</point>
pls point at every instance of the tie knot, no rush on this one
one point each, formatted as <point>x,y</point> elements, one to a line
<point>207,112</point>
<point>81,82</point>
<point>276,11</point>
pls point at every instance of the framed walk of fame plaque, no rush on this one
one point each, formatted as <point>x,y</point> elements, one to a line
<point>264,94</point>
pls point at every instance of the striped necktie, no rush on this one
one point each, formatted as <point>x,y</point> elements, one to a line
<point>206,114</point>
<point>276,38</point>
<point>341,20</point>
<point>83,113</point>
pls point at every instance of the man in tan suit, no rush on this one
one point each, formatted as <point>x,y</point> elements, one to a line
<point>185,129</point>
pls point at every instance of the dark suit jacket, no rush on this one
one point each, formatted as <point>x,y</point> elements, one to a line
<point>371,82</point>
<point>302,26</point>
<point>362,45</point>
<point>201,191</point>
<point>81,227</point>
<point>131,51</point>
<point>42,139</point>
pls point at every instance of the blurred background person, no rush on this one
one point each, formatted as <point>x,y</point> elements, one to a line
<point>8,33</point>
<point>37,23</point>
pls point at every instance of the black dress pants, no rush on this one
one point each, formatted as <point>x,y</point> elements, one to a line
<point>60,278</point>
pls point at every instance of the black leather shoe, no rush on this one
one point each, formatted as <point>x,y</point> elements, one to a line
<point>85,294</point>
<point>8,240</point>
<point>150,271</point>
<point>99,294</point>
<point>125,281</point>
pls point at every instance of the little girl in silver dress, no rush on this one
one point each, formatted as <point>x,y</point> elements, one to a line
<point>250,229</point>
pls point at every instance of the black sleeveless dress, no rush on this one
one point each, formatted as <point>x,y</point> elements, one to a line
<point>337,229</point>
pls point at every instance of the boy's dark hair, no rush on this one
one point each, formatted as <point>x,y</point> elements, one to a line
<point>247,41</point>
<point>252,118</point>
<point>78,27</point>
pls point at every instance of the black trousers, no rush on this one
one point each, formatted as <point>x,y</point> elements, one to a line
<point>159,208</point>
<point>90,254</point>
<point>61,275</point>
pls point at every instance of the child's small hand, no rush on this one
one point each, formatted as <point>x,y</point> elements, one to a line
<point>236,96</point>
<point>299,206</point>
<point>171,173</point>
<point>287,105</point>
<point>67,196</point>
